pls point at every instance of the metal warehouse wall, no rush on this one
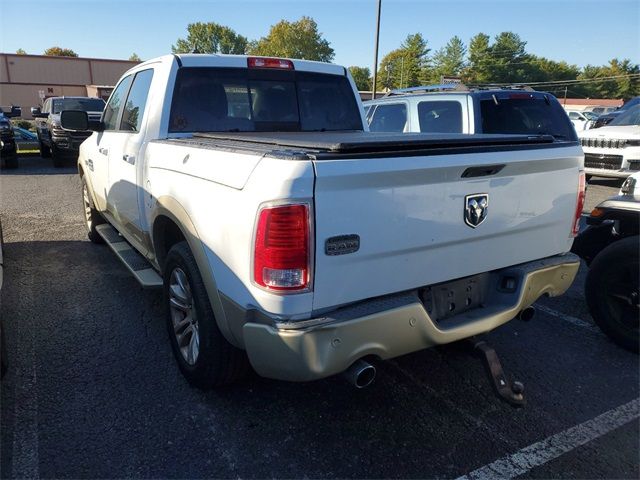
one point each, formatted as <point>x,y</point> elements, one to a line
<point>23,76</point>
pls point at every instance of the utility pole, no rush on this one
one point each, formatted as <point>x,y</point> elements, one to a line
<point>375,60</point>
<point>565,96</point>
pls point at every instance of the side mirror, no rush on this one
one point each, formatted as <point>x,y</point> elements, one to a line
<point>37,113</point>
<point>15,112</point>
<point>78,120</point>
<point>74,120</point>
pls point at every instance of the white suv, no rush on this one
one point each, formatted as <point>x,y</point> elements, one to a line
<point>614,150</point>
<point>458,110</point>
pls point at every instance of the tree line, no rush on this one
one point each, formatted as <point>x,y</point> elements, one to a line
<point>502,60</point>
<point>484,60</point>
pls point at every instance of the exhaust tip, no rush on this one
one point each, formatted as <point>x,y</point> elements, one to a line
<point>527,314</point>
<point>361,374</point>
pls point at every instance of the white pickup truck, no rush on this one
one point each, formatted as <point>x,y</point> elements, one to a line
<point>283,232</point>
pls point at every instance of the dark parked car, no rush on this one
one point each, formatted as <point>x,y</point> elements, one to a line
<point>53,140</point>
<point>611,248</point>
<point>8,149</point>
<point>606,118</point>
<point>3,350</point>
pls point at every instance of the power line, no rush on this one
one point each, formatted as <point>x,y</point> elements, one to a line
<point>567,82</point>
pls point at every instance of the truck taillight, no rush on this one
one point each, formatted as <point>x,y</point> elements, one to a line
<point>282,248</point>
<point>266,62</point>
<point>579,205</point>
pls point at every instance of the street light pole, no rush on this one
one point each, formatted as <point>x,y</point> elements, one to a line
<point>375,60</point>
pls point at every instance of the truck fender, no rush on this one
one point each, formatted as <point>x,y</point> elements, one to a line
<point>172,209</point>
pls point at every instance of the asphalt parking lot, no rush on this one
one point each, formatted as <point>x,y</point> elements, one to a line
<point>93,390</point>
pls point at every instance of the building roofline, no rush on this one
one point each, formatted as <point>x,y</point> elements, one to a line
<point>55,57</point>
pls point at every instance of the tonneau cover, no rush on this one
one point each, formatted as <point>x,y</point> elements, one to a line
<point>358,142</point>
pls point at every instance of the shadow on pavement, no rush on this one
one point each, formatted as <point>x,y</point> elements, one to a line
<point>36,165</point>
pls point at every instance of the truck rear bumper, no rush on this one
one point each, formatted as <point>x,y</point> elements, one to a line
<point>396,325</point>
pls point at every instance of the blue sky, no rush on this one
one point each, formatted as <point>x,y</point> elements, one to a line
<point>579,31</point>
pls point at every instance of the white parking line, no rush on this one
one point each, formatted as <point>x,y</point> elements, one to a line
<point>568,318</point>
<point>551,448</point>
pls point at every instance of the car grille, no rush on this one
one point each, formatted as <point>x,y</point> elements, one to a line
<point>634,165</point>
<point>604,162</point>
<point>603,142</point>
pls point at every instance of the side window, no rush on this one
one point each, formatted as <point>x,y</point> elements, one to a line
<point>440,117</point>
<point>574,116</point>
<point>112,110</point>
<point>389,118</point>
<point>45,108</point>
<point>136,101</point>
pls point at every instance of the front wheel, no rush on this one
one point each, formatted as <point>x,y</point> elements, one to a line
<point>204,356</point>
<point>92,217</point>
<point>612,292</point>
<point>45,152</point>
<point>56,157</point>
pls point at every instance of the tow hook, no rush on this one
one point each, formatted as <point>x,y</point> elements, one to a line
<point>511,392</point>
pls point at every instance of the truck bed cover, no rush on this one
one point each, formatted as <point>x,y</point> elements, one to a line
<point>321,145</point>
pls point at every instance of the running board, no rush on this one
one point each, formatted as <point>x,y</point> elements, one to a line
<point>136,263</point>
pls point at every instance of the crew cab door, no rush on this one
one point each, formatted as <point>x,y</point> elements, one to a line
<point>98,146</point>
<point>125,148</point>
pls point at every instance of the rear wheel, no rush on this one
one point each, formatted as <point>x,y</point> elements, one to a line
<point>92,217</point>
<point>204,356</point>
<point>612,291</point>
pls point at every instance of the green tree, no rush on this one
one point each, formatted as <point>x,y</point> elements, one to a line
<point>299,39</point>
<point>20,51</point>
<point>406,66</point>
<point>449,60</point>
<point>210,38</point>
<point>134,57</point>
<point>596,84</point>
<point>60,52</point>
<point>508,58</point>
<point>478,66</point>
<point>362,77</point>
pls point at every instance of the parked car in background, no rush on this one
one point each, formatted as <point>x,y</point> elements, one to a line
<point>8,148</point>
<point>581,120</point>
<point>607,118</point>
<point>601,110</point>
<point>249,189</point>
<point>445,109</point>
<point>611,248</point>
<point>3,349</point>
<point>614,150</point>
<point>53,140</point>
<point>24,135</point>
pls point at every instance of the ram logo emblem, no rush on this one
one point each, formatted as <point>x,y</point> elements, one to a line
<point>476,207</point>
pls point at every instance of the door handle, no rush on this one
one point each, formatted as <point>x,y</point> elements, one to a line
<point>104,151</point>
<point>129,159</point>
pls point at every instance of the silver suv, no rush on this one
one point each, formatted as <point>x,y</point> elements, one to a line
<point>457,109</point>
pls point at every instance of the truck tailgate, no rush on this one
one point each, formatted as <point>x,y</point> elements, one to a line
<point>409,215</point>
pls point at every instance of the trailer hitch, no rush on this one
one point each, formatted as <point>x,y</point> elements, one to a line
<point>510,392</point>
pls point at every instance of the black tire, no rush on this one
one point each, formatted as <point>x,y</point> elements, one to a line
<point>612,292</point>
<point>92,217</point>
<point>56,156</point>
<point>218,362</point>
<point>45,152</point>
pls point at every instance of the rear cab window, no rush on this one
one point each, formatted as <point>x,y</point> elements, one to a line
<point>214,99</point>
<point>525,114</point>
